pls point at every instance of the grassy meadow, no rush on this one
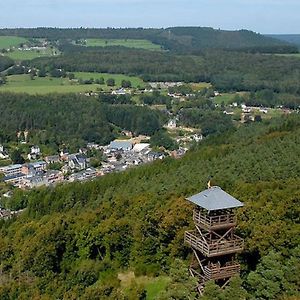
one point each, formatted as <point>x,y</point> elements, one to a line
<point>130,43</point>
<point>30,54</point>
<point>290,55</point>
<point>200,86</point>
<point>135,81</point>
<point>11,41</point>
<point>46,85</point>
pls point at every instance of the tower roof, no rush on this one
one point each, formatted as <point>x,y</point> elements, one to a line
<point>215,198</point>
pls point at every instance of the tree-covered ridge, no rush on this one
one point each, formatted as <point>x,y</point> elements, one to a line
<point>290,38</point>
<point>71,119</point>
<point>73,240</point>
<point>179,39</point>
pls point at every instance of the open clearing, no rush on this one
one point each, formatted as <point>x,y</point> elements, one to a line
<point>31,54</point>
<point>46,85</point>
<point>11,41</point>
<point>227,98</point>
<point>290,55</point>
<point>200,86</point>
<point>153,285</point>
<point>135,81</point>
<point>130,43</point>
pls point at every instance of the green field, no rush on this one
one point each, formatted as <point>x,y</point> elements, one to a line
<point>227,98</point>
<point>155,286</point>
<point>290,55</point>
<point>130,43</point>
<point>11,41</point>
<point>30,54</point>
<point>200,86</point>
<point>135,81</point>
<point>39,85</point>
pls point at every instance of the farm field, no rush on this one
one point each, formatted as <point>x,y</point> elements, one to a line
<point>11,41</point>
<point>45,85</point>
<point>30,54</point>
<point>135,81</point>
<point>200,86</point>
<point>227,98</point>
<point>142,44</point>
<point>290,55</point>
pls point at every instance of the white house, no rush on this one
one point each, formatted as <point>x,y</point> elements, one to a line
<point>172,124</point>
<point>3,153</point>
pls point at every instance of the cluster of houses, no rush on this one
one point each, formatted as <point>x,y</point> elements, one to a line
<point>119,155</point>
<point>164,85</point>
<point>30,175</point>
<point>123,154</point>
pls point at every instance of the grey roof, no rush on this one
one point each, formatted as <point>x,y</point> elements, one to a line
<point>124,145</point>
<point>215,198</point>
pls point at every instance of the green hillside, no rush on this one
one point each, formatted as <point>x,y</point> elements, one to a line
<point>290,38</point>
<point>11,41</point>
<point>74,240</point>
<point>180,39</point>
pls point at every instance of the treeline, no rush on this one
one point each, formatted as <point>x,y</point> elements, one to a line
<point>71,119</point>
<point>209,121</point>
<point>74,240</point>
<point>5,62</point>
<point>147,64</point>
<point>177,39</point>
<point>227,71</point>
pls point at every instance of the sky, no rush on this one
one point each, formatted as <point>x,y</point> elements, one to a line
<point>263,16</point>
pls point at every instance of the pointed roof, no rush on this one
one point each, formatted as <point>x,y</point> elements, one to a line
<point>215,198</point>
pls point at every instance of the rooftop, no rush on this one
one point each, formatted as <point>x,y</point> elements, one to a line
<point>120,144</point>
<point>215,198</point>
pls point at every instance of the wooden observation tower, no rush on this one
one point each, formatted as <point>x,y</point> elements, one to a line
<point>214,242</point>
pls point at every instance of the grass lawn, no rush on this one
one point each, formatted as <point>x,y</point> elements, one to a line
<point>45,85</point>
<point>153,285</point>
<point>130,43</point>
<point>200,86</point>
<point>227,98</point>
<point>30,54</point>
<point>11,41</point>
<point>290,55</point>
<point>135,81</point>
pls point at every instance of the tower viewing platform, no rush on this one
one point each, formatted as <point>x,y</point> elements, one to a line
<point>213,241</point>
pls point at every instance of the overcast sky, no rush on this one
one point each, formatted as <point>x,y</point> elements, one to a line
<point>264,16</point>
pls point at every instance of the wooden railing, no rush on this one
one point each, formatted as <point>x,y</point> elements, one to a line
<point>213,248</point>
<point>216,272</point>
<point>213,221</point>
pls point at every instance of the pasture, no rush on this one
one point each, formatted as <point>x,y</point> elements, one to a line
<point>19,55</point>
<point>130,43</point>
<point>135,81</point>
<point>297,55</point>
<point>227,98</point>
<point>11,41</point>
<point>46,85</point>
<point>200,86</point>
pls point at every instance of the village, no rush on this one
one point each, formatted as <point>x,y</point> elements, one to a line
<point>118,156</point>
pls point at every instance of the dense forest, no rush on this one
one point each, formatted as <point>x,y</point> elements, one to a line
<point>179,39</point>
<point>5,62</point>
<point>70,119</point>
<point>72,241</point>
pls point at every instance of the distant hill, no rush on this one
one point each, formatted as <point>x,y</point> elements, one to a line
<point>290,38</point>
<point>179,39</point>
